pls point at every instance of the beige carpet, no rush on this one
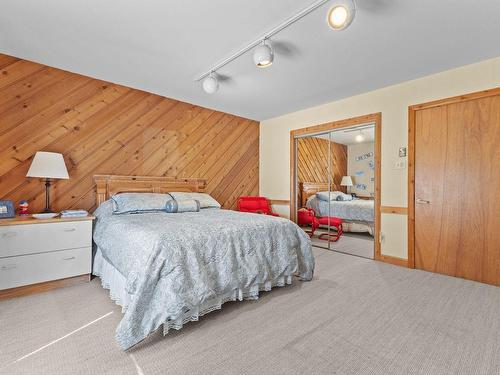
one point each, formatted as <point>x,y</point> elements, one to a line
<point>359,244</point>
<point>356,317</point>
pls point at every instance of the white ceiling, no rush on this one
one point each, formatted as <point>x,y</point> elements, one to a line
<point>348,136</point>
<point>160,46</point>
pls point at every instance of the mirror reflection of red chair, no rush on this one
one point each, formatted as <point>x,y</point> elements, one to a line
<point>307,217</point>
<point>256,205</point>
<point>331,222</point>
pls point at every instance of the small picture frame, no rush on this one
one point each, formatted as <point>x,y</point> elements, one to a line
<point>6,209</point>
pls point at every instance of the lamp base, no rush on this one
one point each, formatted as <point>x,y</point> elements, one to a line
<point>47,197</point>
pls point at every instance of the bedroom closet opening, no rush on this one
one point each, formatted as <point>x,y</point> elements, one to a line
<point>335,181</point>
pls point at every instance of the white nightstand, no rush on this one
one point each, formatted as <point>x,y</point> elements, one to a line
<point>37,255</point>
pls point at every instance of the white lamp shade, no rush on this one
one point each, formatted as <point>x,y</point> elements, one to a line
<point>346,181</point>
<point>48,165</point>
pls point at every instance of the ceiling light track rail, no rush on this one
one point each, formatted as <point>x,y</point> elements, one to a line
<point>290,21</point>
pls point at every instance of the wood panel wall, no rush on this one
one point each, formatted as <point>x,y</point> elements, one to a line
<point>104,128</point>
<point>312,166</point>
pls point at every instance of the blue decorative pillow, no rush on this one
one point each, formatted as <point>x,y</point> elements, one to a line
<point>328,196</point>
<point>206,201</point>
<point>185,205</point>
<point>127,203</point>
<point>344,197</point>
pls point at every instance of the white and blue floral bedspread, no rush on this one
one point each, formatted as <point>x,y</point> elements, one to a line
<point>173,262</point>
<point>355,210</point>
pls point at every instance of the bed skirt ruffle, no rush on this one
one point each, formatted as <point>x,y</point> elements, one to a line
<point>115,282</point>
<point>112,280</point>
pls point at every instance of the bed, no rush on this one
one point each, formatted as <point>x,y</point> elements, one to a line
<point>357,214</point>
<point>166,269</point>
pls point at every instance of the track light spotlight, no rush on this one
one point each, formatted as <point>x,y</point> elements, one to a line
<point>263,55</point>
<point>210,84</point>
<point>360,137</point>
<point>341,14</point>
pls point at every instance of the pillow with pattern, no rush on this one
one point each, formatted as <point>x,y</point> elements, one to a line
<point>132,203</point>
<point>206,201</point>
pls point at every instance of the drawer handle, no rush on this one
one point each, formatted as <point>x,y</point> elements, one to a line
<point>9,234</point>
<point>9,267</point>
<point>69,229</point>
<point>70,258</point>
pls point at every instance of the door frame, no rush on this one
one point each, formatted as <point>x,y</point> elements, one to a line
<point>375,118</point>
<point>412,111</point>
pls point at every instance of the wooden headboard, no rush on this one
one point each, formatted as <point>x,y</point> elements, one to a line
<point>108,185</point>
<point>306,189</point>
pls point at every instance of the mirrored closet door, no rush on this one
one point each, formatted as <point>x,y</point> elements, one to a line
<point>335,180</point>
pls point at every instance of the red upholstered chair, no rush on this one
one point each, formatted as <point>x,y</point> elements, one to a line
<point>331,222</point>
<point>306,217</point>
<point>258,205</point>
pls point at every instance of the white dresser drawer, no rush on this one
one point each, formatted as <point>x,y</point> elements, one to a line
<point>37,268</point>
<point>37,238</point>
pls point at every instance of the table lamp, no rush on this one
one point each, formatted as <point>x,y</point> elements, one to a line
<point>50,166</point>
<point>346,181</point>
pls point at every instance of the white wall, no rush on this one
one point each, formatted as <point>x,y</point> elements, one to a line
<point>362,172</point>
<point>393,102</point>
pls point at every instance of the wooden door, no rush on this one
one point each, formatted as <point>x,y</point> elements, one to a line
<point>457,189</point>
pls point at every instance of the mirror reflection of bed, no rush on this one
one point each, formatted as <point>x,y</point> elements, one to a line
<point>336,182</point>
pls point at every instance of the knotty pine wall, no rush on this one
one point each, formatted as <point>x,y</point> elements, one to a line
<point>104,128</point>
<point>312,163</point>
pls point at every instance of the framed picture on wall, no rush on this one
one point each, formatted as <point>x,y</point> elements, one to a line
<point>6,209</point>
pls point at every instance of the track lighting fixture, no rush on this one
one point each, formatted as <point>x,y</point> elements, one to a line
<point>210,83</point>
<point>360,137</point>
<point>341,14</point>
<point>263,55</point>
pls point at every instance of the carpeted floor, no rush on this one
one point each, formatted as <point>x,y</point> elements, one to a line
<point>356,317</point>
<point>359,244</point>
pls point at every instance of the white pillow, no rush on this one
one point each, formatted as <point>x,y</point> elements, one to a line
<point>206,201</point>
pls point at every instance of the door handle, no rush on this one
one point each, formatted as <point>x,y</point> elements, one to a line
<point>69,229</point>
<point>69,258</point>
<point>423,201</point>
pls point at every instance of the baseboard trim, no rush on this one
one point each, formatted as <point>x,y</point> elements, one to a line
<point>394,210</point>
<point>283,202</point>
<point>42,287</point>
<point>393,260</point>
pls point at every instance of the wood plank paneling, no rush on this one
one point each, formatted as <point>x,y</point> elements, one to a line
<point>104,128</point>
<point>312,155</point>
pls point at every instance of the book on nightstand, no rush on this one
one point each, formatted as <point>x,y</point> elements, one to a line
<point>74,213</point>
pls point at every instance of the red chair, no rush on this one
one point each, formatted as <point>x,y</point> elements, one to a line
<point>306,217</point>
<point>258,205</point>
<point>331,222</point>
